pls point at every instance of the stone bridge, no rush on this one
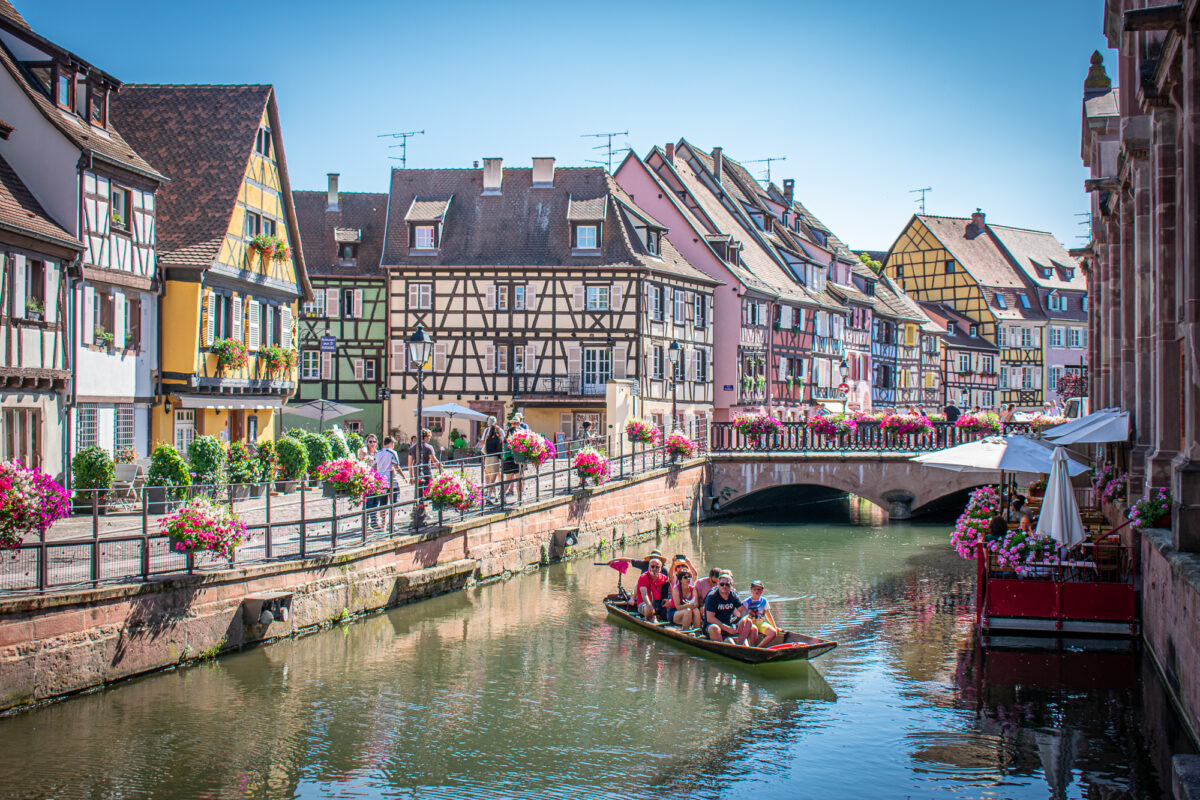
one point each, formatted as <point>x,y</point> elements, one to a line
<point>889,480</point>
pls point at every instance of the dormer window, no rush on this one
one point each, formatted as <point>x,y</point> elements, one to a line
<point>653,242</point>
<point>347,255</point>
<point>869,288</point>
<point>1024,299</point>
<point>586,237</point>
<point>1000,301</point>
<point>949,328</point>
<point>98,108</point>
<point>64,93</point>
<point>262,142</point>
<point>974,330</point>
<point>425,237</point>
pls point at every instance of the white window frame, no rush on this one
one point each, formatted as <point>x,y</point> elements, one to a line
<point>987,364</point>
<point>424,237</point>
<point>310,365</point>
<point>599,297</point>
<point>589,241</point>
<point>1056,337</point>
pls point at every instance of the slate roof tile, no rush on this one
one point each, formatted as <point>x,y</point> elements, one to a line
<point>357,211</point>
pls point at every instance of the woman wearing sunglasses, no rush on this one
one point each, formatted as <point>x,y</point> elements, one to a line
<point>685,605</point>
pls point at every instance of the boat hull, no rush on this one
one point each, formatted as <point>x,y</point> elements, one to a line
<point>801,647</point>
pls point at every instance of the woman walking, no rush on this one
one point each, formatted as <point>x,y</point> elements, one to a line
<point>493,451</point>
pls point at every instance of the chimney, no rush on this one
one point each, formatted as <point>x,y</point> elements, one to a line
<point>543,173</point>
<point>333,192</point>
<point>978,219</point>
<point>789,190</point>
<point>670,152</point>
<point>493,174</point>
<point>718,163</point>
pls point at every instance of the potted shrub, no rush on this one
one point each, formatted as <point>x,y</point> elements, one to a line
<point>453,490</point>
<point>346,477</point>
<point>35,309</point>
<point>102,337</point>
<point>268,462</point>
<point>204,524</point>
<point>206,459</point>
<point>337,445</point>
<point>591,466</point>
<point>30,502</point>
<point>293,464</point>
<point>318,450</point>
<point>167,479</point>
<point>242,470</point>
<point>92,471</point>
<point>231,354</point>
<point>354,443</point>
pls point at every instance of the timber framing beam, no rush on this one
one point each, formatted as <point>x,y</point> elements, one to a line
<point>1156,18</point>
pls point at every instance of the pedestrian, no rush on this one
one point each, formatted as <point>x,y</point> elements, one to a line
<point>427,456</point>
<point>586,435</point>
<point>387,464</point>
<point>952,412</point>
<point>412,460</point>
<point>492,443</point>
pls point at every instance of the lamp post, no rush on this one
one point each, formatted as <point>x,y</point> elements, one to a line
<point>420,350</point>
<point>673,354</point>
<point>844,369</point>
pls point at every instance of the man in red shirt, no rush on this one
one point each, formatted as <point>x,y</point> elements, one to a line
<point>649,591</point>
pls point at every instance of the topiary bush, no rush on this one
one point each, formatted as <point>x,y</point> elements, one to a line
<point>337,445</point>
<point>354,443</point>
<point>92,468</point>
<point>317,447</point>
<point>168,469</point>
<point>207,459</point>
<point>293,459</point>
<point>242,466</point>
<point>295,433</point>
<point>268,461</point>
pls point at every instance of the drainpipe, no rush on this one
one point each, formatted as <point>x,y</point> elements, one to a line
<point>73,308</point>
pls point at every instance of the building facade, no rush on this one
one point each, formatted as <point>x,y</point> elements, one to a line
<point>968,361</point>
<point>343,245</point>
<point>230,252</point>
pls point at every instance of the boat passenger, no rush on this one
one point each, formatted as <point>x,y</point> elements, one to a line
<point>649,592</point>
<point>685,607</point>
<point>705,585</point>
<point>760,615</point>
<point>719,609</point>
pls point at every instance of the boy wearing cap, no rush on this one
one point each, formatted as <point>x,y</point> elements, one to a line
<point>760,615</point>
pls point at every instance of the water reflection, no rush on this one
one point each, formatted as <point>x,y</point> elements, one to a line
<point>526,689</point>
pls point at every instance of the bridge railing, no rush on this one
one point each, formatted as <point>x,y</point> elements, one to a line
<point>872,437</point>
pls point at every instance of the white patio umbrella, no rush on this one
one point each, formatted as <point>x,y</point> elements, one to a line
<point>1105,425</point>
<point>1014,453</point>
<point>453,410</point>
<point>1059,519</point>
<point>321,410</point>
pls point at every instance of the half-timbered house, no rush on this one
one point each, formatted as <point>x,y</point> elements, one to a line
<point>88,179</point>
<point>343,245</point>
<point>968,367</point>
<point>546,290</point>
<point>230,249</point>
<point>858,295</point>
<point>35,252</point>
<point>960,263</point>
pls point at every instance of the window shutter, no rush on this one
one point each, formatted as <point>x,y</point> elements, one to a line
<point>331,303</point>
<point>620,354</point>
<point>326,366</point>
<point>237,318</point>
<point>359,370</point>
<point>18,286</point>
<point>565,422</point>
<point>577,298</point>
<point>617,296</point>
<point>530,297</point>
<point>782,368</point>
<point>530,363</point>
<point>413,296</point>
<point>689,365</point>
<point>574,360</point>
<point>285,327</point>
<point>785,317</point>
<point>439,357</point>
<point>211,329</point>
<point>489,297</point>
<point>489,358</point>
<point>1037,337</point>
<point>89,325</point>
<point>358,297</point>
<point>1037,377</point>
<point>50,272</point>
<point>254,334</point>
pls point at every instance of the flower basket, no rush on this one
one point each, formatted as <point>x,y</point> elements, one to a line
<point>680,445</point>
<point>280,251</point>
<point>971,529</point>
<point>453,490</point>
<point>641,431</point>
<point>528,447</point>
<point>757,424</point>
<point>30,502</point>
<point>1041,423</point>
<point>1037,488</point>
<point>277,359</point>
<point>230,353</point>
<point>591,466</point>
<point>346,477</point>
<point>1152,511</point>
<point>978,423</point>
<point>263,245</point>
<point>832,425</point>
<point>204,525</point>
<point>906,424</point>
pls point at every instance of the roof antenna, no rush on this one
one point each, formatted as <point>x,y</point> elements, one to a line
<point>922,191</point>
<point>403,137</point>
<point>766,161</point>
<point>607,147</point>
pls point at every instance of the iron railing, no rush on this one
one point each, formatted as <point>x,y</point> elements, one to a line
<point>868,437</point>
<point>115,536</point>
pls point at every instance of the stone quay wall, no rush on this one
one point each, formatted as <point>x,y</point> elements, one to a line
<point>58,644</point>
<point>1171,619</point>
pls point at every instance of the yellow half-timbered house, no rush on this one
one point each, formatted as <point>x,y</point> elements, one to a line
<point>229,249</point>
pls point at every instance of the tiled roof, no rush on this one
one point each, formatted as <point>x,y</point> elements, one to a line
<point>1033,250</point>
<point>586,209</point>
<point>20,210</point>
<point>10,13</point>
<point>357,211</point>
<point>976,251</point>
<point>521,226</point>
<point>942,314</point>
<point>891,301</point>
<point>427,210</point>
<point>106,144</point>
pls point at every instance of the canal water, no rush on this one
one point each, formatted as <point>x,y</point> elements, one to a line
<point>524,689</point>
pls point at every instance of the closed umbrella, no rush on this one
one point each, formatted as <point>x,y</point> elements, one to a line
<point>1059,519</point>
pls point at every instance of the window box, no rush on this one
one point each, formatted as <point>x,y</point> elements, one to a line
<point>34,309</point>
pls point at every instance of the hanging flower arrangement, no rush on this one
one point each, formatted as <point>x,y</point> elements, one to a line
<point>641,431</point>
<point>454,490</point>
<point>30,502</point>
<point>832,424</point>
<point>757,424</point>
<point>971,528</point>
<point>591,465</point>
<point>280,251</point>
<point>1041,422</point>
<point>528,447</point>
<point>204,525</point>
<point>263,245</point>
<point>978,423</point>
<point>351,478</point>
<point>230,353</point>
<point>277,359</point>
<point>906,423</point>
<point>680,445</point>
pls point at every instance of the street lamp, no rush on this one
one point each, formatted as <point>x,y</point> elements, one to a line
<point>673,354</point>
<point>844,369</point>
<point>420,351</point>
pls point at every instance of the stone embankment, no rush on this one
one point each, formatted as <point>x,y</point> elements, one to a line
<point>58,644</point>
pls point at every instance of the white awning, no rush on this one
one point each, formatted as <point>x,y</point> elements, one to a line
<point>223,403</point>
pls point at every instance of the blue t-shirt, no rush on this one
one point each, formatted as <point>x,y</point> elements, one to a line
<point>758,608</point>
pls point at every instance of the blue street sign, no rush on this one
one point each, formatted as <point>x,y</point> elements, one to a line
<point>728,387</point>
<point>328,344</point>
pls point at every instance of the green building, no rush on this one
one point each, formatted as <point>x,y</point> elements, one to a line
<point>343,241</point>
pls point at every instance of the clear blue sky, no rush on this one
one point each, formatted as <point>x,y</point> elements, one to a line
<point>866,100</point>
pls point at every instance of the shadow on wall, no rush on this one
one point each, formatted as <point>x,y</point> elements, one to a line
<point>798,500</point>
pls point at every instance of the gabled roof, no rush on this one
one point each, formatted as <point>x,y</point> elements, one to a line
<point>1033,250</point>
<point>521,226</point>
<point>203,137</point>
<point>427,210</point>
<point>975,250</point>
<point>588,209</point>
<point>22,213</point>
<point>363,213</point>
<point>961,338</point>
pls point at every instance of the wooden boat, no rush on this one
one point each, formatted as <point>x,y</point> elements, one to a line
<point>791,647</point>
